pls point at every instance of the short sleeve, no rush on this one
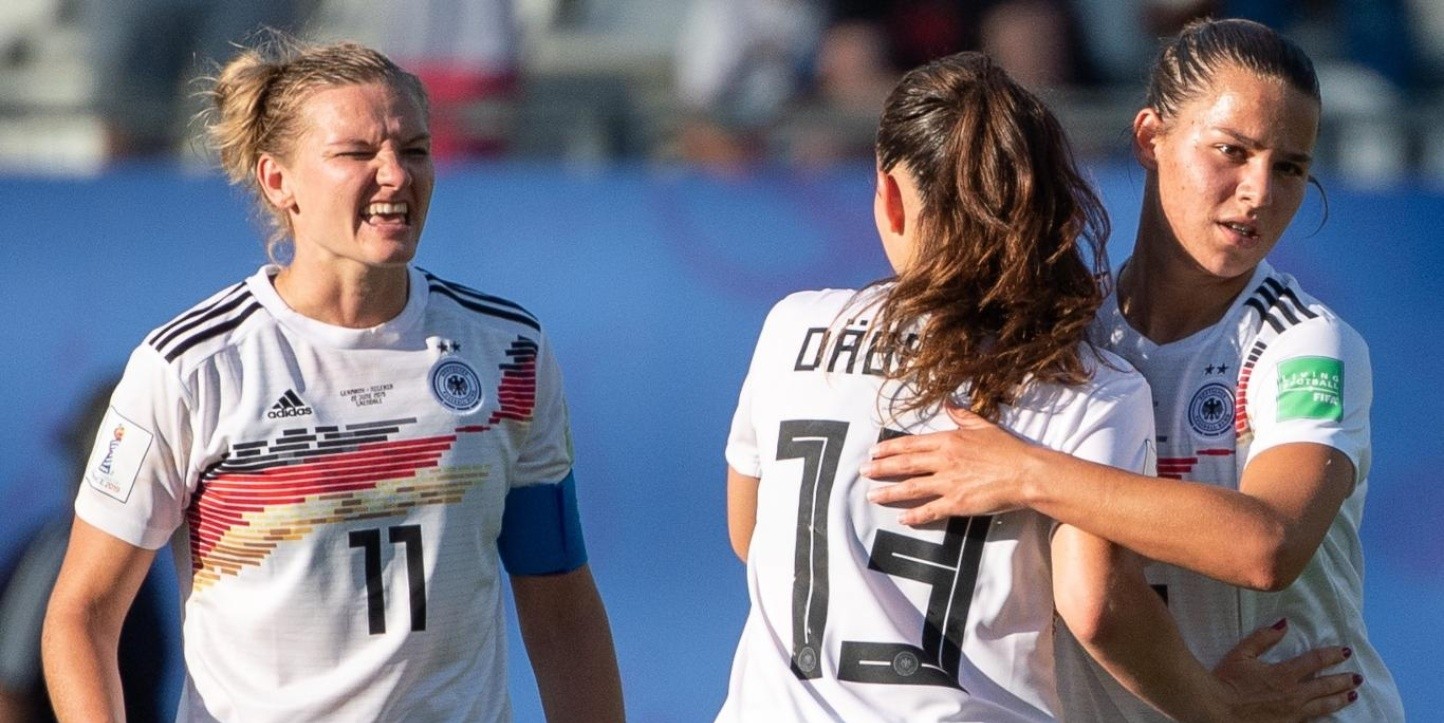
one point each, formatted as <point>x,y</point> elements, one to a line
<point>742,440</point>
<point>135,484</point>
<point>547,454</point>
<point>1313,384</point>
<point>1117,429</point>
<point>742,453</point>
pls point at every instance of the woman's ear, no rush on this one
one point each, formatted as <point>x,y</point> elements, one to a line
<point>1147,130</point>
<point>890,203</point>
<point>275,182</point>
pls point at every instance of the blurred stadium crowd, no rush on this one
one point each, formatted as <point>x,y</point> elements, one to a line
<point>87,83</point>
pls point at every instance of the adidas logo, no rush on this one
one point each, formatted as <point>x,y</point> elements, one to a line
<point>289,405</point>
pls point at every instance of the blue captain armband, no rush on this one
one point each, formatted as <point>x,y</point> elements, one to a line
<point>541,531</point>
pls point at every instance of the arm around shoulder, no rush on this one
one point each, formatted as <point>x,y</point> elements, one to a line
<point>1259,536</point>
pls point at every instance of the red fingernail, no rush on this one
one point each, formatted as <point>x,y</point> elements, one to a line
<point>1348,652</point>
<point>1358,679</point>
<point>1353,695</point>
<point>1281,624</point>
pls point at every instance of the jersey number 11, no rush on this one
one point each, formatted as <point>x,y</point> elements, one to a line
<point>370,543</point>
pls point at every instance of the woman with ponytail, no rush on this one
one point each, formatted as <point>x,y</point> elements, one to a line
<point>997,246</point>
<point>1262,392</point>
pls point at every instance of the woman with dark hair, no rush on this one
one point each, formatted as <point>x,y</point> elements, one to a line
<point>1262,392</point>
<point>997,242</point>
<point>346,451</point>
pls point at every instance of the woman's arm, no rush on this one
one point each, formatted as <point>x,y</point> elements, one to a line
<point>1101,594</point>
<point>741,510</point>
<point>1259,537</point>
<point>97,584</point>
<point>567,636</point>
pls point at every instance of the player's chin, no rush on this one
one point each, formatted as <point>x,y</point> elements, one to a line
<point>386,252</point>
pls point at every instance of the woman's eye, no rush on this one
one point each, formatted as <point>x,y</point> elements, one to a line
<point>1230,151</point>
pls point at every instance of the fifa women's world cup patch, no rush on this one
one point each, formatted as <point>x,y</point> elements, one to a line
<point>456,385</point>
<point>116,459</point>
<point>1311,387</point>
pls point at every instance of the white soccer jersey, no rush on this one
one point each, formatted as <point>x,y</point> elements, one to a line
<point>335,497</point>
<point>1280,367</point>
<point>854,616</point>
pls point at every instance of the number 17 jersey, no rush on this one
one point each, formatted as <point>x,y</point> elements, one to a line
<point>855,617</point>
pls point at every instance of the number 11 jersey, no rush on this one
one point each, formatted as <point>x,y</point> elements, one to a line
<point>854,616</point>
<point>335,496</point>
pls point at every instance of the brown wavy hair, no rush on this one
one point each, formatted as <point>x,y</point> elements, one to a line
<point>1009,267</point>
<point>256,101</point>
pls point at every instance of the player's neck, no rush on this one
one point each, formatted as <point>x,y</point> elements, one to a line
<point>1167,297</point>
<point>361,299</point>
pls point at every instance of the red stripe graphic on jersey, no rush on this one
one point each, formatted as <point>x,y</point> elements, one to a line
<point>1180,467</point>
<point>260,497</point>
<point>1175,467</point>
<point>1240,399</point>
<point>517,390</point>
<point>239,517</point>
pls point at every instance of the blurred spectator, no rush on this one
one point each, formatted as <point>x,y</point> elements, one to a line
<point>1165,18</point>
<point>1370,33</point>
<point>466,52</point>
<point>1037,42</point>
<point>1373,34</point>
<point>740,63</point>
<point>1426,21</point>
<point>144,51</point>
<point>869,43</point>
<point>743,65</point>
<point>1121,36</point>
<point>25,589</point>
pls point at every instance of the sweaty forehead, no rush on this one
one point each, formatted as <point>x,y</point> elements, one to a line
<point>1231,78</point>
<point>1265,108</point>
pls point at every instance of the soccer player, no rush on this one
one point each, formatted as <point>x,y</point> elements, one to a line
<point>996,241</point>
<point>345,449</point>
<point>1262,391</point>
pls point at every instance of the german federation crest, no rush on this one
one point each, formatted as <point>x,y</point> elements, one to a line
<point>455,384</point>
<point>1210,413</point>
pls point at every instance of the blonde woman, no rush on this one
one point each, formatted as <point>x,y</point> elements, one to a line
<point>346,450</point>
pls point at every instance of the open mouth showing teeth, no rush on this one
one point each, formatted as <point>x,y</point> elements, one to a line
<point>1242,230</point>
<point>388,212</point>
